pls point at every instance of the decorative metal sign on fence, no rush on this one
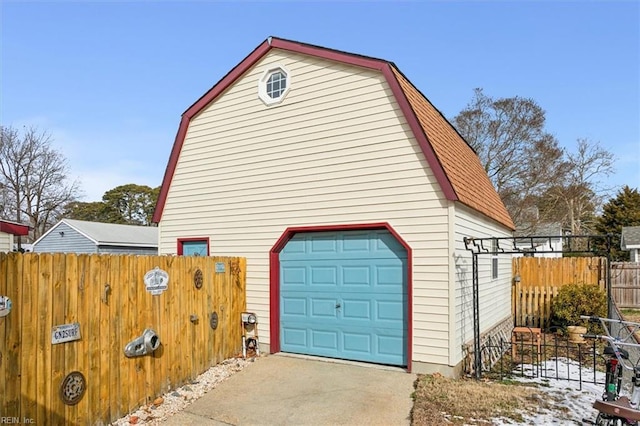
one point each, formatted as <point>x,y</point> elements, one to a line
<point>156,281</point>
<point>65,333</point>
<point>220,268</point>
<point>72,388</point>
<point>5,306</point>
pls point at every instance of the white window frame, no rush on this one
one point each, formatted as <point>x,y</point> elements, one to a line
<point>262,84</point>
<point>495,264</point>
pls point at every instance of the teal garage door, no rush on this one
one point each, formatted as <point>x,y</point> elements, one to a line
<point>344,295</point>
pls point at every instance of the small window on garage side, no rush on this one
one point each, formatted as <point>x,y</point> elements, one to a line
<point>274,85</point>
<point>193,246</point>
<point>494,259</point>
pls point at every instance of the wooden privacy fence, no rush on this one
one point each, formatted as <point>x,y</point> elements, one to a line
<point>537,280</point>
<point>625,284</point>
<point>106,295</point>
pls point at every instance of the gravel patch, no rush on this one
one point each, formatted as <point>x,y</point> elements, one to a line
<point>178,399</point>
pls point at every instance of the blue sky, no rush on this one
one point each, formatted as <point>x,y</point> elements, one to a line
<point>109,80</point>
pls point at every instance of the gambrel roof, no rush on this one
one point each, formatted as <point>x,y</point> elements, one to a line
<point>455,165</point>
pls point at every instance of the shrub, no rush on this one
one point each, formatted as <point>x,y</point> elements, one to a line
<point>574,300</point>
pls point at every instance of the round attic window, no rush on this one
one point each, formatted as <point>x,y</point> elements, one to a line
<point>274,85</point>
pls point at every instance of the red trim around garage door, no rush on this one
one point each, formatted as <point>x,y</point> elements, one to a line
<point>274,277</point>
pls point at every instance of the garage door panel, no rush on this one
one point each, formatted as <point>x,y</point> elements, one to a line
<point>295,338</point>
<point>390,346</point>
<point>389,311</point>
<point>293,276</point>
<point>358,343</point>
<point>356,310</point>
<point>294,306</point>
<point>355,275</point>
<point>323,308</point>
<point>323,276</point>
<point>347,291</point>
<point>324,339</point>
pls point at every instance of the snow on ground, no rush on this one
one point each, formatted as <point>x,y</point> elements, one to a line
<point>568,402</point>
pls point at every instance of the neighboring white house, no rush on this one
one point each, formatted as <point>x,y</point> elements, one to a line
<point>349,194</point>
<point>9,230</point>
<point>542,240</point>
<point>630,241</point>
<point>79,236</point>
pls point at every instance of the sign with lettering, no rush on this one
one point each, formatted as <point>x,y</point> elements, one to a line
<point>156,281</point>
<point>65,333</point>
<point>5,306</point>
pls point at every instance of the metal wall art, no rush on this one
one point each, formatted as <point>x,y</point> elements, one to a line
<point>198,279</point>
<point>65,333</point>
<point>213,320</point>
<point>72,388</point>
<point>5,306</point>
<point>156,281</point>
<point>143,345</point>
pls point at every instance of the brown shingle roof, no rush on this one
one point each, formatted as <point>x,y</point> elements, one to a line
<point>461,164</point>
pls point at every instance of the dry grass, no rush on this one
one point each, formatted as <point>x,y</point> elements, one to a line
<point>438,400</point>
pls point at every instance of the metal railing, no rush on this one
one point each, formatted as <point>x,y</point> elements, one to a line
<point>557,359</point>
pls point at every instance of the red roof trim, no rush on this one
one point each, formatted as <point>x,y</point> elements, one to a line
<point>14,228</point>
<point>330,54</point>
<point>321,52</point>
<point>274,277</point>
<point>194,109</point>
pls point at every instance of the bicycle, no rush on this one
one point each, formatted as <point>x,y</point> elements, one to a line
<point>613,409</point>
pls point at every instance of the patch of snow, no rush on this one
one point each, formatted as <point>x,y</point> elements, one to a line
<point>565,402</point>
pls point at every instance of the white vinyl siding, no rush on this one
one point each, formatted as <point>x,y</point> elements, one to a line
<point>495,294</point>
<point>6,242</point>
<point>337,150</point>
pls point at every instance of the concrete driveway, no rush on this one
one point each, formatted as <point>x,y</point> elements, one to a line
<point>287,390</point>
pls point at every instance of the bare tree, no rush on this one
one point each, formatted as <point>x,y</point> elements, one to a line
<point>577,199</point>
<point>34,179</point>
<point>521,158</point>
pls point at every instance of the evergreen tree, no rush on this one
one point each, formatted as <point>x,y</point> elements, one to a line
<point>623,210</point>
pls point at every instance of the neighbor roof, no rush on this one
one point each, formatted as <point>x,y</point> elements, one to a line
<point>13,228</point>
<point>111,234</point>
<point>630,237</point>
<point>455,165</point>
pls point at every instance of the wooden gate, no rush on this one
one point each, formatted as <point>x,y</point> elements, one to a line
<point>536,281</point>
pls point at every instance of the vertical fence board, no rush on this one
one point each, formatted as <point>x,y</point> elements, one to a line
<point>74,356</point>
<point>28,404</point>
<point>57,351</point>
<point>4,279</point>
<point>117,340</point>
<point>4,377</point>
<point>90,305</point>
<point>14,324</point>
<point>45,304</point>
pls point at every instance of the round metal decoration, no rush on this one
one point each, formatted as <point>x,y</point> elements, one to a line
<point>72,388</point>
<point>213,320</point>
<point>197,279</point>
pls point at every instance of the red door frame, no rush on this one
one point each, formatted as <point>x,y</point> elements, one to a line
<point>274,276</point>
